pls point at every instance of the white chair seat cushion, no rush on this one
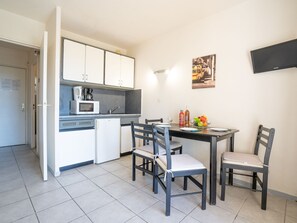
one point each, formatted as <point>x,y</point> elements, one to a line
<point>175,145</point>
<point>180,162</point>
<point>244,159</point>
<point>148,151</point>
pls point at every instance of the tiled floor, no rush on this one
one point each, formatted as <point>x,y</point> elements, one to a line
<point>105,193</point>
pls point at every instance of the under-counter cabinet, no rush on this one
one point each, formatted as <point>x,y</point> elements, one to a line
<point>82,63</point>
<point>76,147</point>
<point>119,70</point>
<point>126,139</point>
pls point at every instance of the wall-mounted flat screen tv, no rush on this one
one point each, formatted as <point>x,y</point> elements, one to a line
<point>275,57</point>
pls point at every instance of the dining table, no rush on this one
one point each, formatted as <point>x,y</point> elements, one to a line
<point>211,135</point>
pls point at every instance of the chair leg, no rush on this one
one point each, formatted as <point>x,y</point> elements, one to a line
<point>185,183</point>
<point>155,181</point>
<point>254,185</point>
<point>144,166</point>
<point>168,193</point>
<point>204,188</point>
<point>264,191</point>
<point>133,166</point>
<point>230,176</point>
<point>223,183</point>
<point>181,150</point>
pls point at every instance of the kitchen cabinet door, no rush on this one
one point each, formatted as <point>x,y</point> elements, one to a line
<point>112,69</point>
<point>127,72</point>
<point>126,139</point>
<point>73,61</point>
<point>94,65</point>
<point>76,147</point>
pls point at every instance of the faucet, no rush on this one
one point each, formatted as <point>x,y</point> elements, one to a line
<point>113,109</point>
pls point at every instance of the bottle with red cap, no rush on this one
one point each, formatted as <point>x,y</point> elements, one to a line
<point>181,118</point>
<point>187,118</point>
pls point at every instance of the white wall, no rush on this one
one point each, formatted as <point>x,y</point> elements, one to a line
<point>241,99</point>
<point>92,42</point>
<point>20,30</point>
<point>53,27</point>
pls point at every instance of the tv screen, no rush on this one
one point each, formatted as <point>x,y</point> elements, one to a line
<point>275,57</point>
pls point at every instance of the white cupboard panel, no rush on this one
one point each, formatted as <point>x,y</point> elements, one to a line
<point>73,60</point>
<point>127,71</point>
<point>112,69</point>
<point>126,139</point>
<point>76,147</point>
<point>94,65</point>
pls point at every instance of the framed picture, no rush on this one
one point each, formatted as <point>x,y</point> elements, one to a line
<point>203,72</point>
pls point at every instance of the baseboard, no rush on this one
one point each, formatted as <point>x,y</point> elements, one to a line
<point>271,191</point>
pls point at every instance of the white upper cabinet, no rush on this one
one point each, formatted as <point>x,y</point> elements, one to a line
<point>82,63</point>
<point>94,65</point>
<point>119,70</point>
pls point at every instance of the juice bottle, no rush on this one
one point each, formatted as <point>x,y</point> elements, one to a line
<point>181,118</point>
<point>187,118</point>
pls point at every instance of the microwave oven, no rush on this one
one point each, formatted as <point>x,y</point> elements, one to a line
<point>84,107</point>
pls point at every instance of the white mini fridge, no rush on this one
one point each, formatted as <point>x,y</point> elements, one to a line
<point>108,132</point>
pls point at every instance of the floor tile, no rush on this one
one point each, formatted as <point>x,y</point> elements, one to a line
<point>16,211</point>
<point>138,201</point>
<point>93,200</point>
<point>212,214</point>
<point>119,189</point>
<point>123,173</point>
<point>83,219</point>
<point>113,212</point>
<point>66,180</point>
<point>189,219</point>
<point>81,188</point>
<point>252,211</point>
<point>50,199</point>
<point>28,219</point>
<point>61,213</point>
<point>290,220</point>
<point>292,208</point>
<point>156,213</point>
<point>91,171</point>
<point>11,185</point>
<point>42,187</point>
<point>13,196</point>
<point>105,180</point>
<point>111,166</point>
<point>136,219</point>
<point>140,181</point>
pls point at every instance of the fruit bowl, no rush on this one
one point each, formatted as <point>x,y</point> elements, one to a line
<point>201,121</point>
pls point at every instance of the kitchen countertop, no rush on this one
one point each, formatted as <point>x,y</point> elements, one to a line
<point>94,116</point>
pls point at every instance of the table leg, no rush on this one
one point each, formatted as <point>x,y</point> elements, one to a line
<point>213,171</point>
<point>231,150</point>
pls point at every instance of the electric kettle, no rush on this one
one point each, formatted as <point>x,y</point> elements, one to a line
<point>77,93</point>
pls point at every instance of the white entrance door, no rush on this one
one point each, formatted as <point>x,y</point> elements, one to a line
<point>42,109</point>
<point>12,101</point>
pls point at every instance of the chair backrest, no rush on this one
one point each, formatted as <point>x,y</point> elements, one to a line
<point>143,132</point>
<point>265,139</point>
<point>151,121</point>
<point>162,140</point>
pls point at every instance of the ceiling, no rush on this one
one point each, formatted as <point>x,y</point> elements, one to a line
<point>123,23</point>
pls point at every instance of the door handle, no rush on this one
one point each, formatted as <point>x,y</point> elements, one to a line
<point>23,107</point>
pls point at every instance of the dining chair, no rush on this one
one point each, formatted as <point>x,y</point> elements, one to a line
<point>250,162</point>
<point>144,133</point>
<point>179,165</point>
<point>174,145</point>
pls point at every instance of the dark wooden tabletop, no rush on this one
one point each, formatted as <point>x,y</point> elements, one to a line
<point>203,133</point>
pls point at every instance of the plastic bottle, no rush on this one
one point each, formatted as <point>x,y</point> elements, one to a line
<point>181,118</point>
<point>187,118</point>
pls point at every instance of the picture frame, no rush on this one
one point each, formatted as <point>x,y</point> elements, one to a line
<point>203,71</point>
